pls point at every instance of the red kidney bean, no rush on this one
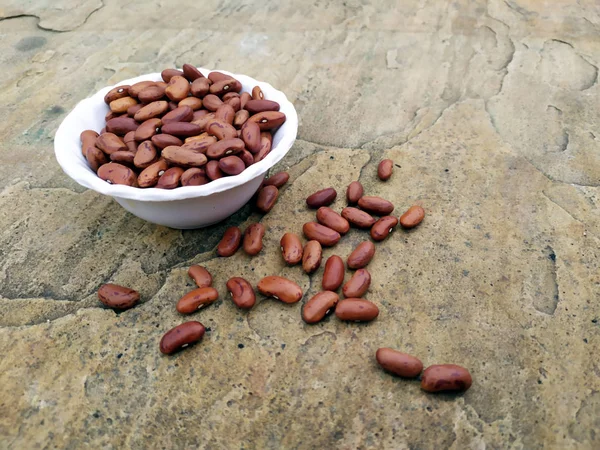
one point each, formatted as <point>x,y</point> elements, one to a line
<point>241,292</point>
<point>181,336</point>
<point>240,118</point>
<point>375,205</point>
<point>147,130</point>
<point>200,87</point>
<point>150,111</point>
<point>177,88</point>
<point>88,139</point>
<point>225,113</point>
<point>253,238</point>
<point>247,157</point>
<point>224,86</point>
<point>166,140</point>
<point>116,173</point>
<point>194,176</point>
<point>265,149</point>
<point>268,120</point>
<point>200,275</point>
<point>145,155</point>
<point>212,102</point>
<point>257,106</point>
<point>135,89</point>
<point>446,377</point>
<point>181,129</point>
<point>231,165</point>
<point>96,158</point>
<point>362,255</point>
<point>121,125</point>
<point>123,157</point>
<point>222,130</point>
<point>170,178</point>
<point>356,310</point>
<point>191,73</point>
<point>357,217</point>
<point>318,306</point>
<point>328,217</point>
<point>312,256</point>
<point>130,142</point>
<point>326,236</point>
<point>257,93</point>
<point>280,288</point>
<point>196,299</point>
<point>152,93</point>
<point>385,169</point>
<point>399,363</point>
<point>358,285</point>
<point>320,198</point>
<point>383,227</point>
<point>192,102</point>
<point>225,147</point>
<point>244,98</point>
<point>266,199</point>
<point>150,175</point>
<point>333,276</point>
<point>291,248</point>
<point>251,136</point>
<point>212,170</point>
<point>110,143</point>
<point>116,93</point>
<point>278,179</point>
<point>167,74</point>
<point>413,217</point>
<point>230,242</point>
<point>118,297</point>
<point>134,109</point>
<point>179,114</point>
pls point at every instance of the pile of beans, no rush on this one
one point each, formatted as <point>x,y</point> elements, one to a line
<point>327,231</point>
<point>187,130</point>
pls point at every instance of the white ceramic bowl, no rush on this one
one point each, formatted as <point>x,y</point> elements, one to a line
<point>184,207</point>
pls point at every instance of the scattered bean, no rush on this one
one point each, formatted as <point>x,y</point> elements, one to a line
<point>266,199</point>
<point>280,288</point>
<point>318,306</point>
<point>196,299</point>
<point>200,275</point>
<point>118,297</point>
<point>324,197</point>
<point>291,248</point>
<point>333,276</point>
<point>312,256</point>
<point>375,205</point>
<point>328,217</point>
<point>357,217</point>
<point>383,227</point>
<point>230,242</point>
<point>358,285</point>
<point>181,336</point>
<point>362,255</point>
<point>241,292</point>
<point>385,169</point>
<point>324,235</point>
<point>413,217</point>
<point>356,310</point>
<point>446,377</point>
<point>399,363</point>
<point>253,238</point>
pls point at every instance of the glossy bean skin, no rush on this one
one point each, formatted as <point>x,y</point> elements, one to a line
<point>170,178</point>
<point>224,147</point>
<point>116,173</point>
<point>312,256</point>
<point>240,118</point>
<point>151,174</point>
<point>130,142</point>
<point>191,73</point>
<point>179,114</point>
<point>192,102</point>
<point>383,227</point>
<point>194,176</point>
<point>181,336</point>
<point>280,288</point>
<point>324,235</point>
<point>413,217</point>
<point>147,130</point>
<point>222,130</point>
<point>257,93</point>
<point>151,111</point>
<point>124,157</point>
<point>200,275</point>
<point>385,169</point>
<point>181,129</point>
<point>226,113</point>
<point>118,297</point>
<point>231,165</point>
<point>268,120</point>
<point>212,170</point>
<point>116,93</point>
<point>446,378</point>
<point>357,217</point>
<point>121,125</point>
<point>145,155</point>
<point>333,276</point>
<point>241,292</point>
<point>200,87</point>
<point>95,158</point>
<point>328,217</point>
<point>110,143</point>
<point>247,157</point>
<point>356,310</point>
<point>354,192</point>
<point>278,179</point>
<point>244,98</point>
<point>398,363</point>
<point>196,299</point>
<point>178,88</point>
<point>166,140</point>
<point>212,102</point>
<point>230,242</point>
<point>224,86</point>
<point>318,306</point>
<point>253,239</point>
<point>251,136</point>
<point>88,139</point>
<point>167,74</point>
<point>256,106</point>
<point>324,197</point>
<point>152,93</point>
<point>375,205</point>
<point>215,76</point>
<point>267,197</point>
<point>358,285</point>
<point>265,149</point>
<point>135,89</point>
<point>291,248</point>
<point>361,255</point>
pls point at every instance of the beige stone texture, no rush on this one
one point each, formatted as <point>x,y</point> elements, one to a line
<point>491,113</point>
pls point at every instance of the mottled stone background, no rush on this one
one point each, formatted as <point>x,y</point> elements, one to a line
<point>491,111</point>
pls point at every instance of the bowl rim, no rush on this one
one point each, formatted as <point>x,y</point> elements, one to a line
<point>67,147</point>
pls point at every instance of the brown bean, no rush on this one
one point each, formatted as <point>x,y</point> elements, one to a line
<point>116,173</point>
<point>150,175</point>
<point>446,377</point>
<point>147,129</point>
<point>200,113</point>
<point>88,139</point>
<point>383,227</point>
<point>200,87</point>
<point>199,144</point>
<point>358,284</point>
<point>268,120</point>
<point>116,93</point>
<point>244,98</point>
<point>267,197</point>
<point>280,288</point>
<point>151,110</point>
<point>325,235</point>
<point>291,248</point>
<point>170,178</point>
<point>253,239</point>
<point>165,140</point>
<point>112,115</point>
<point>247,157</point>
<point>191,73</point>
<point>328,217</point>
<point>235,103</point>
<point>192,102</point>
<point>120,105</point>
<point>320,198</point>
<point>278,179</point>
<point>399,363</point>
<point>229,95</point>
<point>118,297</point>
<point>357,217</point>
<point>222,130</point>
<point>132,110</point>
<point>230,242</point>
<point>312,256</point>
<point>204,121</point>
<point>110,143</point>
<point>167,74</point>
<point>123,157</point>
<point>251,136</point>
<point>215,76</point>
<point>225,113</point>
<point>145,155</point>
<point>362,255</point>
<point>181,129</point>
<point>385,169</point>
<point>268,135</point>
<point>178,88</point>
<point>181,336</point>
<point>413,217</point>
<point>256,106</point>
<point>152,93</point>
<point>135,89</point>
<point>318,306</point>
<point>212,170</point>
<point>241,292</point>
<point>223,86</point>
<point>354,192</point>
<point>212,102</point>
<point>225,147</point>
<point>130,142</point>
<point>240,118</point>
<point>179,114</point>
<point>356,310</point>
<point>231,165</point>
<point>194,177</point>
<point>182,156</point>
<point>121,125</point>
<point>265,149</point>
<point>95,158</point>
<point>333,276</point>
<point>196,299</point>
<point>257,93</point>
<point>375,205</point>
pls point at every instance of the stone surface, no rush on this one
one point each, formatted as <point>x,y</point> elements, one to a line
<point>491,112</point>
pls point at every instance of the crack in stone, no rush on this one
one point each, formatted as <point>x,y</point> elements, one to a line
<point>561,207</point>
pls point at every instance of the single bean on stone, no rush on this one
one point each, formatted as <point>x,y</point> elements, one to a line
<point>241,292</point>
<point>398,363</point>
<point>356,310</point>
<point>280,288</point>
<point>253,239</point>
<point>333,276</point>
<point>324,197</point>
<point>446,378</point>
<point>358,285</point>
<point>318,306</point>
<point>181,336</point>
<point>118,297</point>
<point>413,217</point>
<point>361,255</point>
<point>312,256</point>
<point>200,275</point>
<point>230,242</point>
<point>291,248</point>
